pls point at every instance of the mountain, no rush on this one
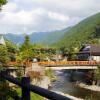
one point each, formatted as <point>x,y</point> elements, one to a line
<point>53,37</point>
<point>15,38</point>
<point>19,38</point>
<point>87,31</point>
<point>37,37</point>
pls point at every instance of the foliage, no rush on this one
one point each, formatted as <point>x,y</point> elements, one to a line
<point>3,55</point>
<point>11,46</point>
<point>97,73</point>
<point>49,73</point>
<point>97,31</point>
<point>25,52</point>
<point>63,50</point>
<point>2,2</point>
<point>6,91</point>
<point>11,49</point>
<point>70,52</point>
<point>87,31</point>
<point>28,51</point>
<point>37,46</point>
<point>41,52</point>
<point>26,45</point>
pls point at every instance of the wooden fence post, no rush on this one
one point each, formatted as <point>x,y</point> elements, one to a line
<point>25,92</point>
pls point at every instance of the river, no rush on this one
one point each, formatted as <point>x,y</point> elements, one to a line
<point>63,84</point>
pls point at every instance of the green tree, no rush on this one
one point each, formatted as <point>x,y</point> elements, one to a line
<point>2,2</point>
<point>12,50</point>
<point>63,50</point>
<point>97,31</point>
<point>4,59</point>
<point>26,53</point>
<point>37,46</point>
<point>5,90</point>
<point>26,45</point>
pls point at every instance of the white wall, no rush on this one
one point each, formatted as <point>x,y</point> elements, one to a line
<point>97,58</point>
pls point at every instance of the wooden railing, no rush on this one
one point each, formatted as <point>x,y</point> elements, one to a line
<point>26,87</point>
<point>78,63</point>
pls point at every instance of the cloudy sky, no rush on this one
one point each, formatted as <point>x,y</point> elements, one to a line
<point>27,16</point>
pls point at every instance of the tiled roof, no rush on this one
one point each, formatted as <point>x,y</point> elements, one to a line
<point>92,49</point>
<point>95,49</point>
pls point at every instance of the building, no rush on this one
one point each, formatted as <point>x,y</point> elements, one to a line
<point>89,52</point>
<point>2,41</point>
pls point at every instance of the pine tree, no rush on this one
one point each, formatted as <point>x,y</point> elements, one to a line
<point>26,45</point>
<point>26,52</point>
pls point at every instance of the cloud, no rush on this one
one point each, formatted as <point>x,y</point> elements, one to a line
<point>58,16</point>
<point>11,7</point>
<point>26,16</point>
<point>29,21</point>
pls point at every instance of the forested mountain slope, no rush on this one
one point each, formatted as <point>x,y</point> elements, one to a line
<point>87,31</point>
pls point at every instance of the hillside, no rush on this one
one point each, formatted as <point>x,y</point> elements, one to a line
<point>53,37</point>
<point>87,31</point>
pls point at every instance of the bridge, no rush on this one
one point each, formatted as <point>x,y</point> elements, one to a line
<point>70,65</point>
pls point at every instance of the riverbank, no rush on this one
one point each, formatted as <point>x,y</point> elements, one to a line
<point>90,87</point>
<point>68,96</point>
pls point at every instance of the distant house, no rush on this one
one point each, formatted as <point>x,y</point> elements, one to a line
<point>57,57</point>
<point>89,52</point>
<point>2,41</point>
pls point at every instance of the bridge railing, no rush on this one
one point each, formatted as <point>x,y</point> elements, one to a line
<point>26,87</point>
<point>80,63</point>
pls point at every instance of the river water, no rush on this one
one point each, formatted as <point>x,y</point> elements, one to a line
<point>63,84</point>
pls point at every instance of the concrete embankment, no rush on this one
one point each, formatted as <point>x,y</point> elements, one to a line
<point>69,96</point>
<point>90,87</point>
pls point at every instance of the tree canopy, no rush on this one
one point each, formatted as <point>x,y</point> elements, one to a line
<point>2,2</point>
<point>3,55</point>
<point>25,51</point>
<point>26,45</point>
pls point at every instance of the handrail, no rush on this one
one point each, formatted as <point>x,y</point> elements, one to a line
<point>38,90</point>
<point>44,63</point>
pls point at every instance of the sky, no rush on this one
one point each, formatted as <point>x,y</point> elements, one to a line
<point>28,16</point>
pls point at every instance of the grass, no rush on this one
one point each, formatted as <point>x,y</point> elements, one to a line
<point>49,73</point>
<point>33,95</point>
